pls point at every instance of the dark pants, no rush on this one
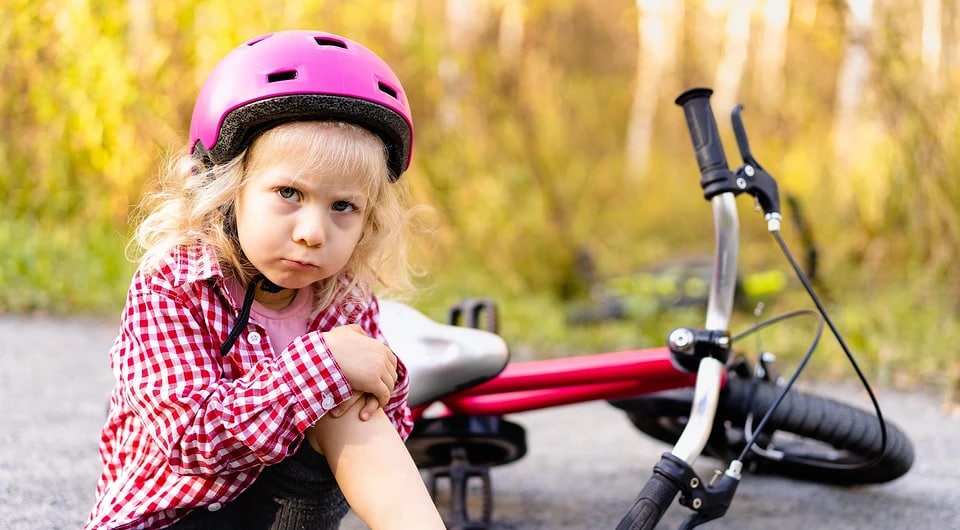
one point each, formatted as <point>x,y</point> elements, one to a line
<point>299,493</point>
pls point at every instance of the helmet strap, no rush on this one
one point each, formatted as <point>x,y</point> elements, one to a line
<point>244,315</point>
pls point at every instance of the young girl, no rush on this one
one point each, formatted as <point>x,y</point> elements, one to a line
<point>254,387</point>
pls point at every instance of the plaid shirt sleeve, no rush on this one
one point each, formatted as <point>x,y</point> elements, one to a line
<point>397,409</point>
<point>172,376</point>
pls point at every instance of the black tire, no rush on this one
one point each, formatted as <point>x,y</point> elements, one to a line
<point>808,437</point>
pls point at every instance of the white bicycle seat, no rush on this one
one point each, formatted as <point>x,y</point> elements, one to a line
<point>440,358</point>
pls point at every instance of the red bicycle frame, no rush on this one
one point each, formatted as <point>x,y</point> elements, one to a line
<point>538,384</point>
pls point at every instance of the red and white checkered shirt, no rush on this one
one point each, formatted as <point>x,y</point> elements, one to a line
<point>188,428</point>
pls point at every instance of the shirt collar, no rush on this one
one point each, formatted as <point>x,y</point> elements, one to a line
<point>197,263</point>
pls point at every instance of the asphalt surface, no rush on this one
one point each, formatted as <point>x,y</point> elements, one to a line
<point>584,466</point>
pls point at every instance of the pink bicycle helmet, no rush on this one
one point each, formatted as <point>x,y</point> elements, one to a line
<point>293,76</point>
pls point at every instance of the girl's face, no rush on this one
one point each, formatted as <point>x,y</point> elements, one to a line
<point>298,226</point>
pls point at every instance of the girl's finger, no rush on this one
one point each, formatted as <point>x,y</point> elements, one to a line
<point>370,405</point>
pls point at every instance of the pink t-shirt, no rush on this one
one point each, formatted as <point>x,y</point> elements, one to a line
<point>282,325</point>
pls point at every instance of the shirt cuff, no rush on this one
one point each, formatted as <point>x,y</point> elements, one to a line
<point>316,382</point>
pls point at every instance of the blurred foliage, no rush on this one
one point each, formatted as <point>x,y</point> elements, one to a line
<point>520,151</point>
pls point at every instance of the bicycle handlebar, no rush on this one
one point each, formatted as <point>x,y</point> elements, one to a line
<point>653,502</point>
<point>714,172</point>
<point>719,188</point>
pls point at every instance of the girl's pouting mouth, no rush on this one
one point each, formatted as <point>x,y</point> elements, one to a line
<point>298,265</point>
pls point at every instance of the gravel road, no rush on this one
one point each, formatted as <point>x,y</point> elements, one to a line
<point>584,466</point>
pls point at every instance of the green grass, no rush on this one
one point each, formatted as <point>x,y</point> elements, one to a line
<point>62,269</point>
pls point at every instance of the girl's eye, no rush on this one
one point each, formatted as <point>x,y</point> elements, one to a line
<point>288,193</point>
<point>344,206</point>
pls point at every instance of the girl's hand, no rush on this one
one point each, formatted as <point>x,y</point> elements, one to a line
<point>367,364</point>
<point>368,405</point>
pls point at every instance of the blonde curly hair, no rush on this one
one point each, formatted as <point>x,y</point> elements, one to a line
<point>193,205</point>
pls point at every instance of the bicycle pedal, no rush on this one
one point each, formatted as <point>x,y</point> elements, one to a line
<point>460,472</point>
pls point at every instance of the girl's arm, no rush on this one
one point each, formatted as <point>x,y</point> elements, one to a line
<point>173,378</point>
<point>375,471</point>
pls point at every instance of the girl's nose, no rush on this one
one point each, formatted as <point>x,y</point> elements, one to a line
<point>310,231</point>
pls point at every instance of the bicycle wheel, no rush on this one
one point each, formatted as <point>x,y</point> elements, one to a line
<point>808,437</point>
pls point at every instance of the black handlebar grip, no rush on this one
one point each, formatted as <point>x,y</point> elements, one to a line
<point>715,175</point>
<point>651,504</point>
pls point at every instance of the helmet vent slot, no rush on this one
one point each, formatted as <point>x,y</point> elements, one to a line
<point>287,75</point>
<point>387,89</point>
<point>327,41</point>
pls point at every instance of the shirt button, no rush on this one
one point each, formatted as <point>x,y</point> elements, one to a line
<point>254,337</point>
<point>214,506</point>
<point>327,402</point>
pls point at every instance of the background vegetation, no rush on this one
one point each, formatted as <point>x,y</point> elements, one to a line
<point>546,134</point>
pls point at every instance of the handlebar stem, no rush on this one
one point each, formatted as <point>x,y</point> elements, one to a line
<point>688,346</point>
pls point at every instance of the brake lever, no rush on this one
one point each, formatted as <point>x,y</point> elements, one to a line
<point>708,501</point>
<point>740,132</point>
<point>752,178</point>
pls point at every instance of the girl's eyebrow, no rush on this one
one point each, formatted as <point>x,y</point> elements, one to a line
<point>279,176</point>
<point>356,197</point>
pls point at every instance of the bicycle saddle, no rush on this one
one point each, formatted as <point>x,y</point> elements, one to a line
<point>440,358</point>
